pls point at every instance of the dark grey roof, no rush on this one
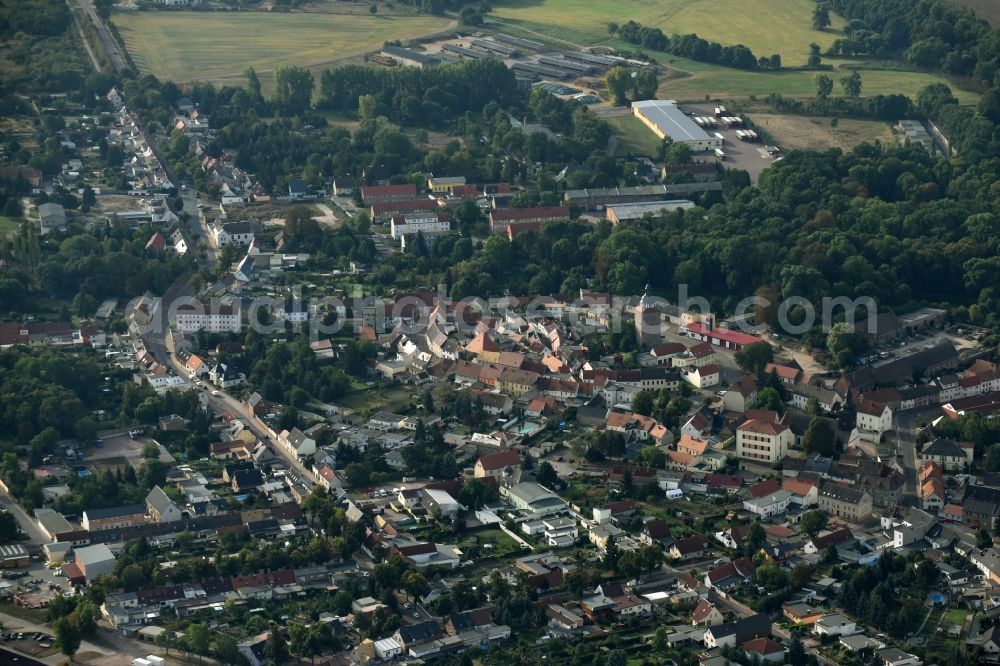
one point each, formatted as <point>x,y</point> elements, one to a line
<point>841,493</point>
<point>115,512</point>
<point>943,447</point>
<point>416,56</point>
<point>159,500</point>
<point>420,632</point>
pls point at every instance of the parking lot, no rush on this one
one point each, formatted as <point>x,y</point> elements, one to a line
<point>38,585</point>
<point>749,156</point>
<point>33,643</point>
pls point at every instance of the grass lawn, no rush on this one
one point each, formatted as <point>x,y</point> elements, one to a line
<point>633,136</point>
<point>7,225</point>
<point>807,132</point>
<point>503,545</point>
<point>216,46</point>
<point>374,399</point>
<point>766,26</point>
<point>953,616</point>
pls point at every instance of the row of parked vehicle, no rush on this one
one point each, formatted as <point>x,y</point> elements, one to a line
<point>38,637</point>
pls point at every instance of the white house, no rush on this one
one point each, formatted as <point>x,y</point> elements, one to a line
<point>702,377</point>
<point>234,233</point>
<point>297,443</point>
<point>213,318</point>
<point>763,441</point>
<point>834,624</point>
<point>773,504</point>
<point>873,416</point>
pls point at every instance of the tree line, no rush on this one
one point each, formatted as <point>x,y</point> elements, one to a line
<point>693,47</point>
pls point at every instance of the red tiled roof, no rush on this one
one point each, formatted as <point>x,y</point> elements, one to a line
<point>495,461</point>
<point>724,334</point>
<point>765,488</point>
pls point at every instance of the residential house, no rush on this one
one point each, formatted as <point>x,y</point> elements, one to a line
<point>952,456</point>
<point>765,650</point>
<point>803,494</point>
<point>787,375</point>
<point>763,441</point>
<point>161,509</point>
<point>690,548</point>
<point>800,613</point>
<point>742,395</point>
<point>731,574</point>
<point>115,517</point>
<point>771,504</point>
<point>874,417</point>
<point>931,479</point>
<point>706,613</point>
<point>738,632</point>
<point>506,463</point>
<point>255,649</point>
<point>297,443</point>
<point>702,377</point>
<point>834,624</point>
<point>820,544</point>
<point>845,502</point>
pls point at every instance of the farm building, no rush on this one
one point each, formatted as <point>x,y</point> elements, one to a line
<point>666,120</point>
<point>409,57</point>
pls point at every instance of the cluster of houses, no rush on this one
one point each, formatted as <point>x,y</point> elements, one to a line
<point>142,166</point>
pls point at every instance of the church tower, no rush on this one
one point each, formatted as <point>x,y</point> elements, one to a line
<point>647,321</point>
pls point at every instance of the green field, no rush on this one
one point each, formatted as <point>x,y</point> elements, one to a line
<point>216,46</point>
<point>724,82</point>
<point>633,136</point>
<point>766,26</point>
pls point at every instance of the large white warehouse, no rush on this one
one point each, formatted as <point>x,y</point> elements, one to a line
<point>667,121</point>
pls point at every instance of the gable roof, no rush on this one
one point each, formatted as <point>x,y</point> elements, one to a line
<point>764,488</point>
<point>702,611</point>
<point>691,544</point>
<point>495,461</point>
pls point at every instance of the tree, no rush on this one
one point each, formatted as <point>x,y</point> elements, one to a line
<point>821,17</point>
<point>546,475</point>
<point>642,403</point>
<point>811,523</point>
<point>644,85</point>
<point>679,153</point>
<point>814,59</point>
<point>851,84</point>
<point>277,648</point>
<point>824,86</point>
<point>769,398</point>
<point>651,456</point>
<point>819,437</point>
<point>67,636</point>
<point>754,358</point>
<point>198,638</point>
<point>616,79</point>
<point>293,90</point>
<point>373,9</point>
<point>756,536</point>
<point>983,538</point>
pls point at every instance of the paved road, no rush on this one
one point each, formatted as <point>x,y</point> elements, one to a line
<point>110,45</point>
<point>29,526</point>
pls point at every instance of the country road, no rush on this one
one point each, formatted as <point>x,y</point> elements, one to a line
<point>117,61</point>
